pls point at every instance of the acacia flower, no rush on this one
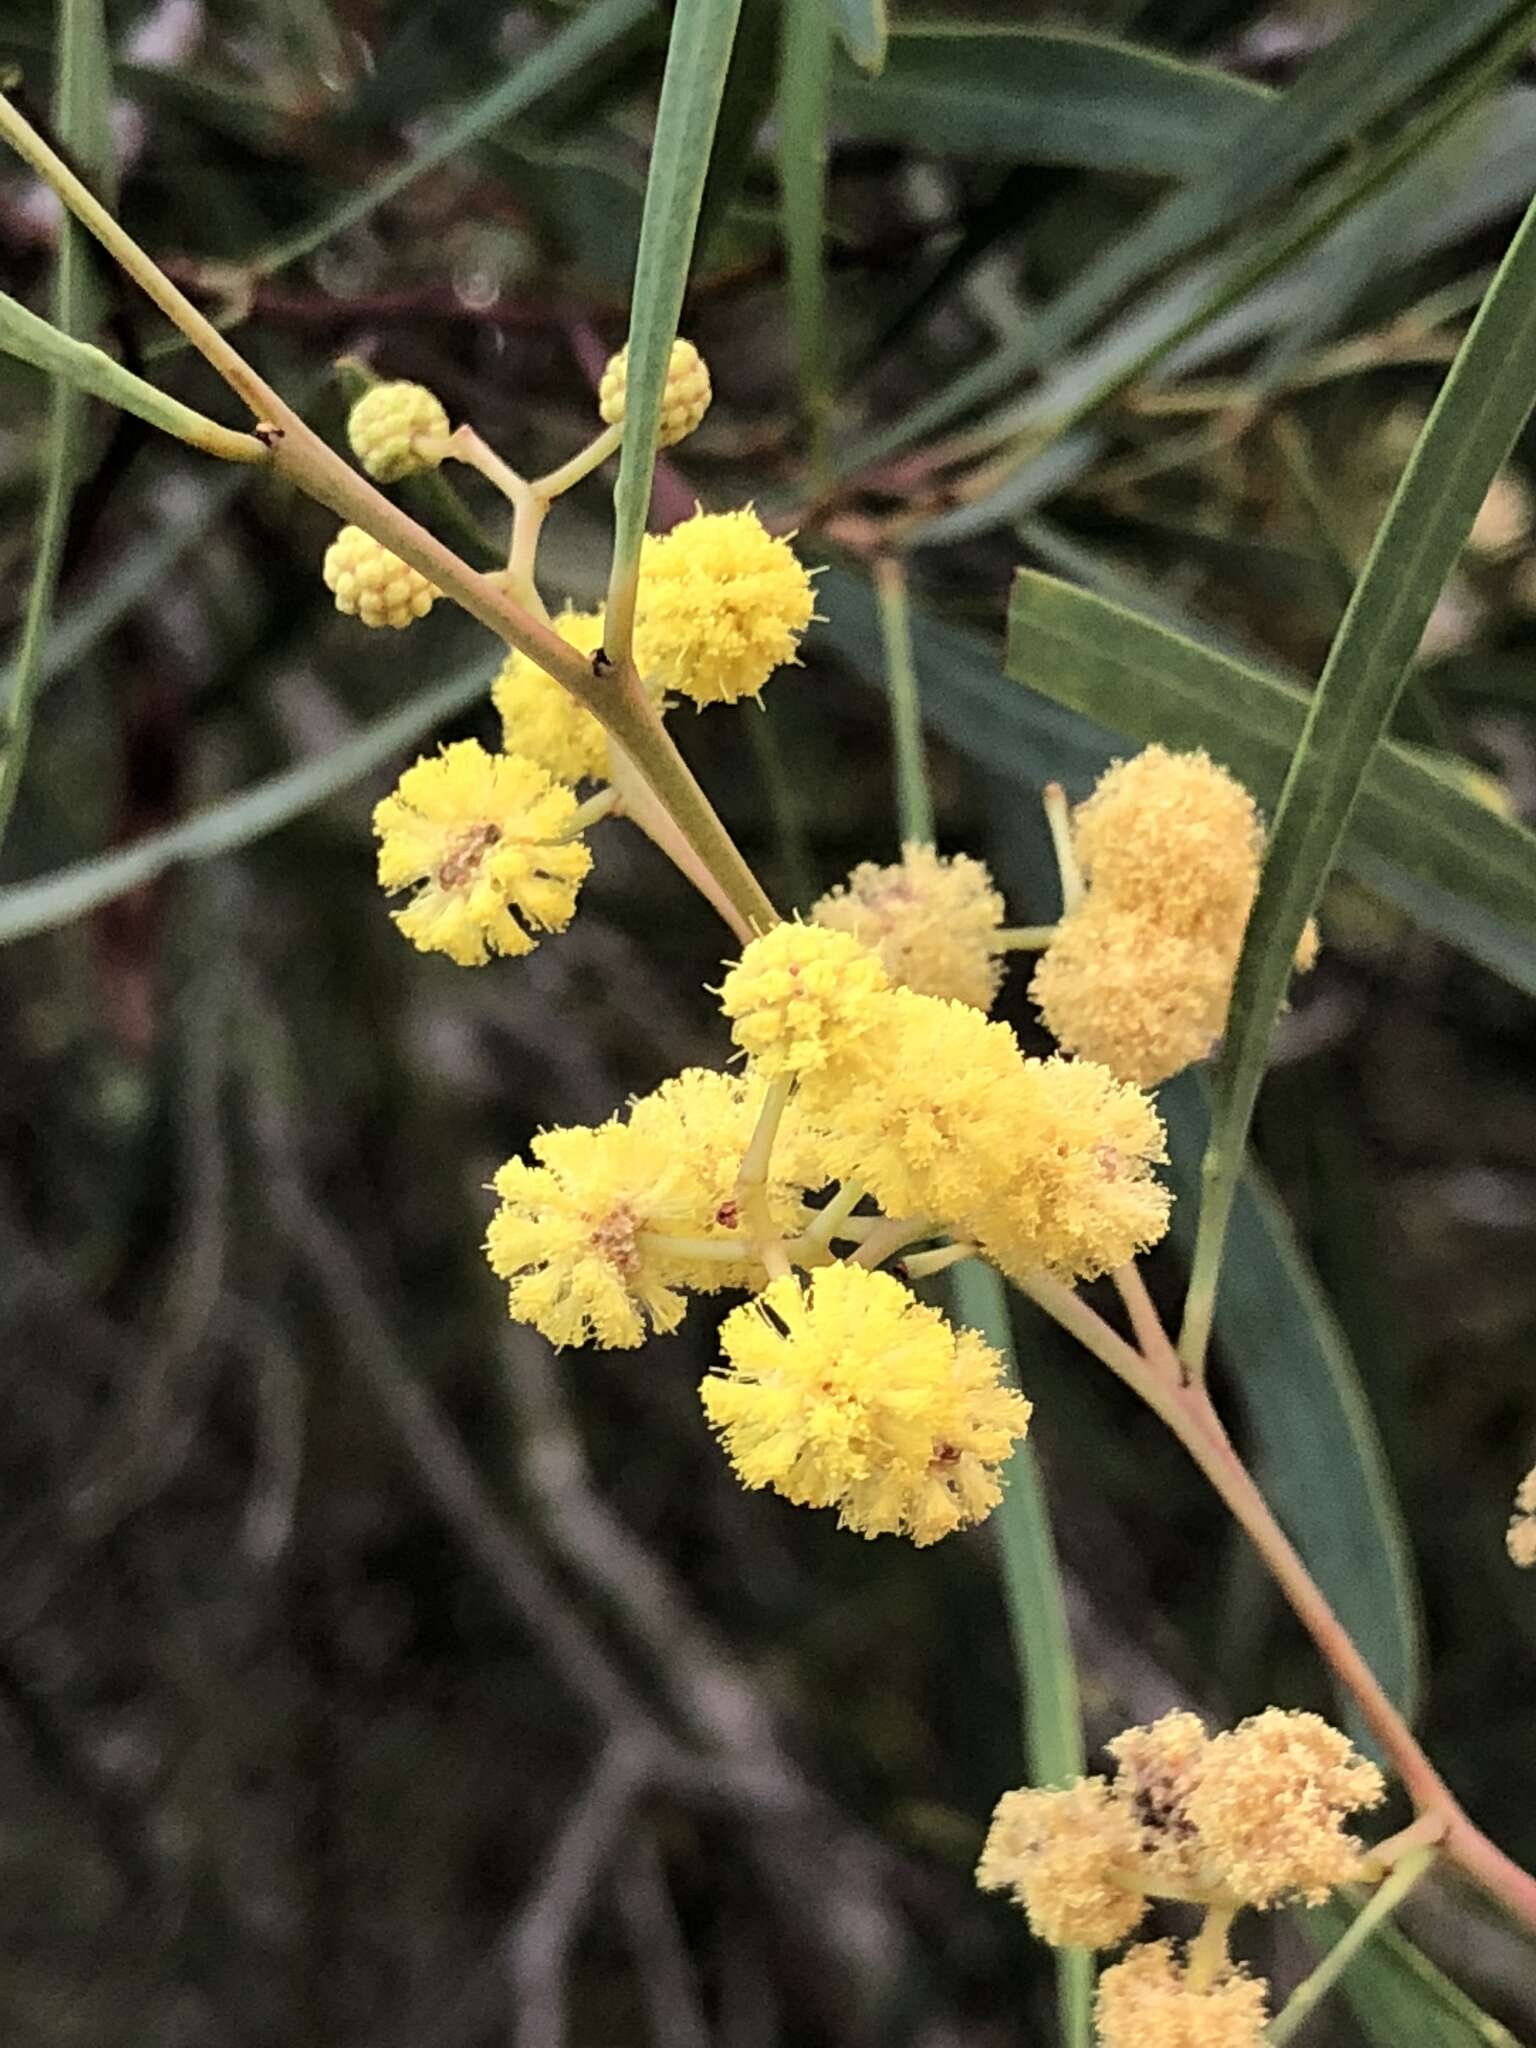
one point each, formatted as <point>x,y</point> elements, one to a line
<point>798,995</point>
<point>1175,835</point>
<point>932,919</point>
<point>483,836</point>
<point>542,720</point>
<point>1157,1767</point>
<point>722,604</point>
<point>395,430</point>
<point>1147,2000</point>
<point>1142,1000</point>
<point>848,1392</point>
<point>685,397</point>
<point>1068,1858</point>
<point>1270,1805</point>
<point>600,1232</point>
<point>371,584</point>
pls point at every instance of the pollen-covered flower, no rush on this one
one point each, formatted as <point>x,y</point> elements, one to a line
<point>1144,1001</point>
<point>602,1230</point>
<point>1175,836</point>
<point>798,995</point>
<point>1521,1536</point>
<point>1069,1859</point>
<point>541,719</point>
<point>722,604</point>
<point>685,398</point>
<point>371,584</point>
<point>396,430</point>
<point>1271,1802</point>
<point>848,1392</point>
<point>483,836</point>
<point>1147,2000</point>
<point>1157,1767</point>
<point>933,921</point>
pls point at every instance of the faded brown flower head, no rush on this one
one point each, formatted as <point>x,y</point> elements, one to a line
<point>1146,2001</point>
<point>933,919</point>
<point>1068,1858</point>
<point>1271,1802</point>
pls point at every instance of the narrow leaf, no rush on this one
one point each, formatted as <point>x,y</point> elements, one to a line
<point>805,97</point>
<point>1400,1996</point>
<point>1030,95</point>
<point>698,57</point>
<point>1470,431</point>
<point>863,28</point>
<point>73,892</point>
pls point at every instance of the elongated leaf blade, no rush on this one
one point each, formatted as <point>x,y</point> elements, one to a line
<point>805,93</point>
<point>1037,96</point>
<point>1037,1620</point>
<point>1399,1995</point>
<point>863,28</point>
<point>698,59</point>
<point>1149,683</point>
<point>1318,1452</point>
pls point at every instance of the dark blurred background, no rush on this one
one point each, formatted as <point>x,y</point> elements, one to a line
<point>368,1675</point>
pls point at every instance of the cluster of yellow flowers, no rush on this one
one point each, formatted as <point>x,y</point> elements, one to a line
<point>1139,973</point>
<point>1250,1817</point>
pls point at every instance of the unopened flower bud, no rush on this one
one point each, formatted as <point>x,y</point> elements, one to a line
<point>371,584</point>
<point>685,399</point>
<point>396,430</point>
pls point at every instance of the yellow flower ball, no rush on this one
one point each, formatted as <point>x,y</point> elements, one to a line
<point>482,834</point>
<point>847,1392</point>
<point>722,604</point>
<point>541,719</point>
<point>397,429</point>
<point>1117,987</point>
<point>685,398</point>
<point>1068,1858</point>
<point>1146,2000</point>
<point>371,584</point>
<point>932,920</point>
<point>1176,837</point>
<point>798,995</point>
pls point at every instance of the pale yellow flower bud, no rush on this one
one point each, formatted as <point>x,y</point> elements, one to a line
<point>685,399</point>
<point>371,584</point>
<point>396,430</point>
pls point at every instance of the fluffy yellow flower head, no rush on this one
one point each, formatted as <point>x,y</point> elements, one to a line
<point>371,584</point>
<point>1069,1859</point>
<point>1146,2001</point>
<point>1521,1536</point>
<point>1144,1001</point>
<point>585,1234</point>
<point>1175,836</point>
<point>478,831</point>
<point>933,921</point>
<point>798,995</point>
<point>685,399</point>
<point>542,719</point>
<point>1270,1805</point>
<point>847,1392</point>
<point>722,604</point>
<point>396,430</point>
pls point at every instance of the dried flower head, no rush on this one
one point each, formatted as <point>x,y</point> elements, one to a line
<point>1521,1536</point>
<point>371,584</point>
<point>685,398</point>
<point>541,719</point>
<point>1147,2000</point>
<point>848,1392</point>
<point>1271,1802</point>
<point>722,604</point>
<point>798,995</point>
<point>933,921</point>
<point>396,430</point>
<point>1069,1859</point>
<point>482,834</point>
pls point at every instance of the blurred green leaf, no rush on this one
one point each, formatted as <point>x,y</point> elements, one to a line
<point>1037,96</point>
<point>1317,1450</point>
<point>744,105</point>
<point>1400,1997</point>
<point>1037,1621</point>
<point>805,97</point>
<point>72,892</point>
<point>1387,59</point>
<point>1481,407</point>
<point>698,58</point>
<point>81,112</point>
<point>863,28</point>
<point>1148,683</point>
<point>588,35</point>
